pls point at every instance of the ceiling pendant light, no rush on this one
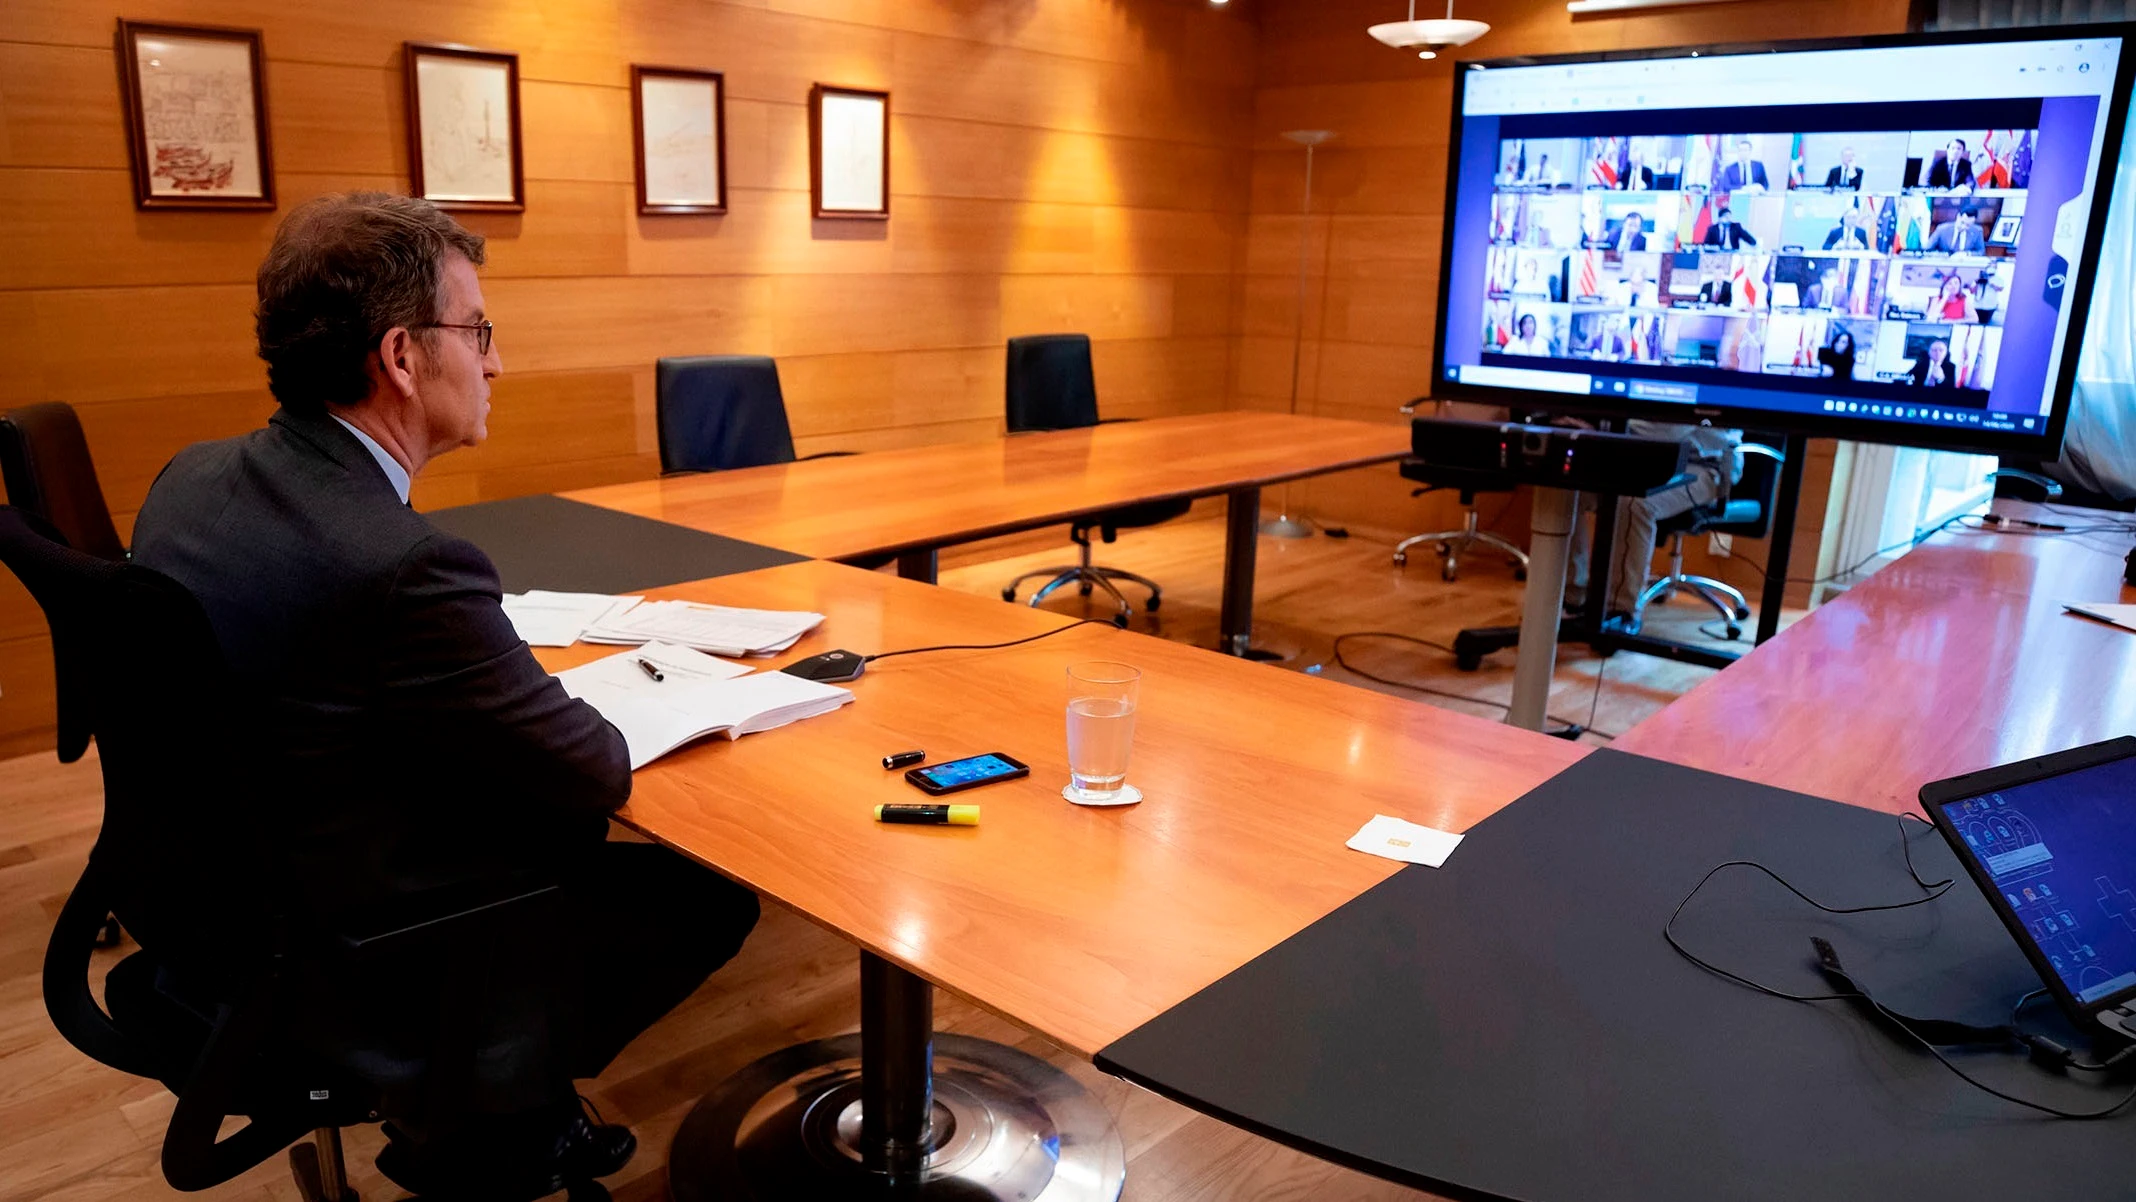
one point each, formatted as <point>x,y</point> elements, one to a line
<point>1431,36</point>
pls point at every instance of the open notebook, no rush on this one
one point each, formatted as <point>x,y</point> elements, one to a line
<point>696,696</point>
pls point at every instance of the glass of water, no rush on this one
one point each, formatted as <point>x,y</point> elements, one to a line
<point>1101,732</point>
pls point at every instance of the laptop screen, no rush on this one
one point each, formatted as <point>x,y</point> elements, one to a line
<point>2062,851</point>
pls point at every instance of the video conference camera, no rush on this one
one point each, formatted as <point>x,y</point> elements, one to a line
<point>1551,456</point>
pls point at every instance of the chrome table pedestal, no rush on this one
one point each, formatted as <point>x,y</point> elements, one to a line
<point>898,1112</point>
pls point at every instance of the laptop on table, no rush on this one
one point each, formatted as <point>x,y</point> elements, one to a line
<point>2052,843</point>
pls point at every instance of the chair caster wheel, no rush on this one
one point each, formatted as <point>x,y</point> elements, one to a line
<point>1742,615</point>
<point>1468,663</point>
<point>1520,573</point>
<point>1008,594</point>
<point>1449,570</point>
<point>1120,620</point>
<point>1400,558</point>
<point>1734,632</point>
<point>1085,588</point>
<point>1153,603</point>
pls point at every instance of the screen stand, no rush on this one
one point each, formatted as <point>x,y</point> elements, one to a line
<point>1549,537</point>
<point>1593,626</point>
<point>1795,449</point>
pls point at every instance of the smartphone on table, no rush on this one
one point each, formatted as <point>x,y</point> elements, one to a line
<point>968,773</point>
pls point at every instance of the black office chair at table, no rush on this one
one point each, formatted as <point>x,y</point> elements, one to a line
<point>721,412</point>
<point>239,1003</point>
<point>1051,387</point>
<point>1747,513</point>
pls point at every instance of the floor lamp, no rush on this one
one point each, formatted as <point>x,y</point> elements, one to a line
<point>1284,525</point>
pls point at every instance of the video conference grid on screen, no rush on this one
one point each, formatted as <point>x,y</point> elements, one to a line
<point>1863,257</point>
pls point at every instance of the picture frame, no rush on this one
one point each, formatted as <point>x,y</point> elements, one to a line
<point>679,148</point>
<point>196,116</point>
<point>463,127</point>
<point>849,152</point>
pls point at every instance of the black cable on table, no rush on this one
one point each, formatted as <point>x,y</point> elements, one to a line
<point>1931,891</point>
<point>990,646</point>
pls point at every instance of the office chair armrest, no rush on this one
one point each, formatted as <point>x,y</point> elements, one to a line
<point>67,998</point>
<point>1759,448</point>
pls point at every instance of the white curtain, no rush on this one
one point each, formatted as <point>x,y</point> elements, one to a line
<point>2099,449</point>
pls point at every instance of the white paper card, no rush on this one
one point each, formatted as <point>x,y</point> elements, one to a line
<point>2123,616</point>
<point>1406,841</point>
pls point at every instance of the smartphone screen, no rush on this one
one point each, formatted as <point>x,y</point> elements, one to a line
<point>966,773</point>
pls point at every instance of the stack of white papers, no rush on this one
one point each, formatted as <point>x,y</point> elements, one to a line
<point>546,619</point>
<point>2123,616</point>
<point>714,628</point>
<point>695,696</point>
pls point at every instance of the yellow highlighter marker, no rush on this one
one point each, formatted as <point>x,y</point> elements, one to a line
<point>926,815</point>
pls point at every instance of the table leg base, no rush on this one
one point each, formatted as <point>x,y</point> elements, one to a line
<point>1287,526</point>
<point>1006,1125</point>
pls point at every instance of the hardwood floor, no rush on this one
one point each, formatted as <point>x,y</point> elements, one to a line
<point>72,1130</point>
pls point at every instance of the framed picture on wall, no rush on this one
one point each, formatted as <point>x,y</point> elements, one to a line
<point>680,119</point>
<point>849,152</point>
<point>463,127</point>
<point>196,116</point>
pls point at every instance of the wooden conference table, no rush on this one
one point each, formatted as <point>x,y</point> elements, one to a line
<point>1079,924</point>
<point>913,502</point>
<point>1082,924</point>
<point>1955,658</point>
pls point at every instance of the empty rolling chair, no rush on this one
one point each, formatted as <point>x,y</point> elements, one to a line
<point>1051,387</point>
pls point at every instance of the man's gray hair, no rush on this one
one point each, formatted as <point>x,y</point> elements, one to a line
<point>343,270</point>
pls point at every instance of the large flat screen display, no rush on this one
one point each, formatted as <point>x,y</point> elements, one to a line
<point>1888,239</point>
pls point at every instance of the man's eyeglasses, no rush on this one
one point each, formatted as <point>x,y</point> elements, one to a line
<point>484,332</point>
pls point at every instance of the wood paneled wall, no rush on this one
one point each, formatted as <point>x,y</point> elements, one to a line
<point>1056,165</point>
<point>1379,199</point>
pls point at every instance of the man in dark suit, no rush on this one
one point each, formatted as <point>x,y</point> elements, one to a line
<point>1959,236</point>
<point>1745,172</point>
<point>423,753</point>
<point>1933,370</point>
<point>1728,233</point>
<point>1631,234</point>
<point>1846,175</point>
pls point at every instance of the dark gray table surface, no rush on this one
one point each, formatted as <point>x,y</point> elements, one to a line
<point>1513,1026</point>
<point>547,542</point>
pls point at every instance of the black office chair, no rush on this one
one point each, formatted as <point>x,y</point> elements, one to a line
<point>1748,512</point>
<point>235,1002</point>
<point>1051,387</point>
<point>720,412</point>
<point>1455,543</point>
<point>45,460</point>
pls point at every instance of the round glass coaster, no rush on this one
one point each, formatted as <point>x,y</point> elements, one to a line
<point>1126,795</point>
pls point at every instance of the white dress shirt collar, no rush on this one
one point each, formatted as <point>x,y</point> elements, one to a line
<point>396,475</point>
